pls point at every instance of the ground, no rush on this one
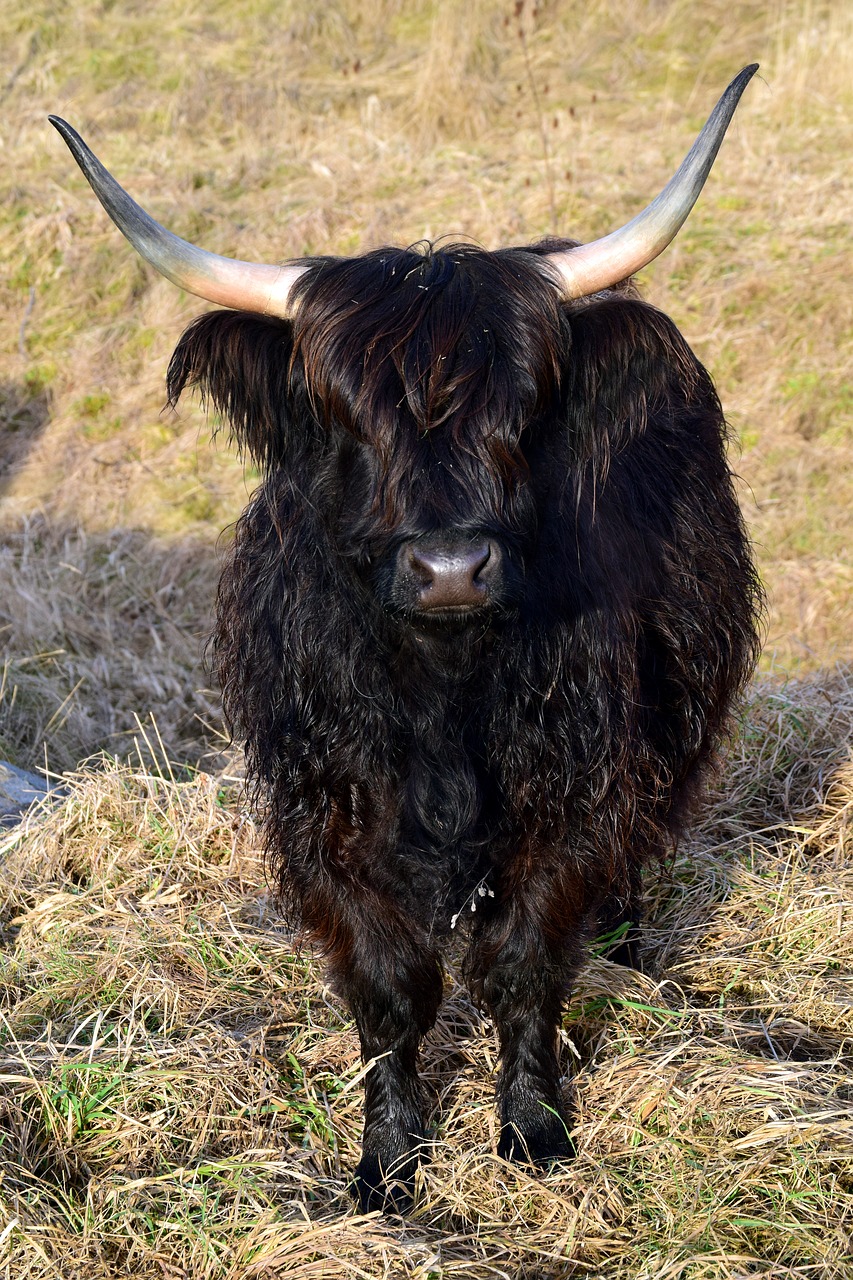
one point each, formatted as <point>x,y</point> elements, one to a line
<point>179,1092</point>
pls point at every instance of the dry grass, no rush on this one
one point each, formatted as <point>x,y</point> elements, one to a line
<point>182,1095</point>
<point>179,1094</point>
<point>97,629</point>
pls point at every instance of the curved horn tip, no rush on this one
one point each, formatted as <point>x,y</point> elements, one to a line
<point>741,80</point>
<point>64,129</point>
<point>246,286</point>
<point>590,268</point>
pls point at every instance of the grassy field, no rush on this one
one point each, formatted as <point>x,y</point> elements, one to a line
<point>179,1094</point>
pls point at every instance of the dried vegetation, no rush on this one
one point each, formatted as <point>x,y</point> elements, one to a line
<point>182,1094</point>
<point>179,1094</point>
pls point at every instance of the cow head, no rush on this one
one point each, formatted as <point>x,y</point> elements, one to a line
<point>407,394</point>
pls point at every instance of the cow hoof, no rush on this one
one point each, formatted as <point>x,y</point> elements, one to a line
<point>537,1144</point>
<point>627,954</point>
<point>393,1193</point>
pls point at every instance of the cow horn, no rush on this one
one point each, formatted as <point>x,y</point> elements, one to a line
<point>589,268</point>
<point>246,286</point>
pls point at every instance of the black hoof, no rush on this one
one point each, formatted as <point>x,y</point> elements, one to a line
<point>620,943</point>
<point>386,1187</point>
<point>627,953</point>
<point>537,1142</point>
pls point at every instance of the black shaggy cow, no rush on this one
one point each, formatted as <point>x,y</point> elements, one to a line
<point>483,621</point>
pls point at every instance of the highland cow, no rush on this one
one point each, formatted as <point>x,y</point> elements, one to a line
<point>482,624</point>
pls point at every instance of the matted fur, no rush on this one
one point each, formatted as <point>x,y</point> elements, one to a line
<point>531,761</point>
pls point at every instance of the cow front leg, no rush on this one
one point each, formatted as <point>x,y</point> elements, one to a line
<point>521,965</point>
<point>534,1121</point>
<point>391,978</point>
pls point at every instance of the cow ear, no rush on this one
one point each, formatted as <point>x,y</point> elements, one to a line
<point>241,365</point>
<point>628,361</point>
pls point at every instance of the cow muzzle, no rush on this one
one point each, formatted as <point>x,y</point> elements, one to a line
<point>450,577</point>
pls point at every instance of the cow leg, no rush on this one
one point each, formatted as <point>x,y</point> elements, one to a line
<point>521,966</point>
<point>391,978</point>
<point>533,1116</point>
<point>391,1021</point>
<point>622,914</point>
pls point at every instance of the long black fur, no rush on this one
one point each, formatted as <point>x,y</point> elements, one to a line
<point>533,760</point>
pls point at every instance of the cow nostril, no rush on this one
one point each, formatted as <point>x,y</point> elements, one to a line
<point>422,564</point>
<point>451,576</point>
<point>480,561</point>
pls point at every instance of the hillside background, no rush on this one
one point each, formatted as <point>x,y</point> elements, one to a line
<point>265,131</point>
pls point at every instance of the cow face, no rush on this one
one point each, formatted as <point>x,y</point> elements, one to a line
<point>433,379</point>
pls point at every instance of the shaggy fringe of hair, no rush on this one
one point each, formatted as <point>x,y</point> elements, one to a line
<point>579,730</point>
